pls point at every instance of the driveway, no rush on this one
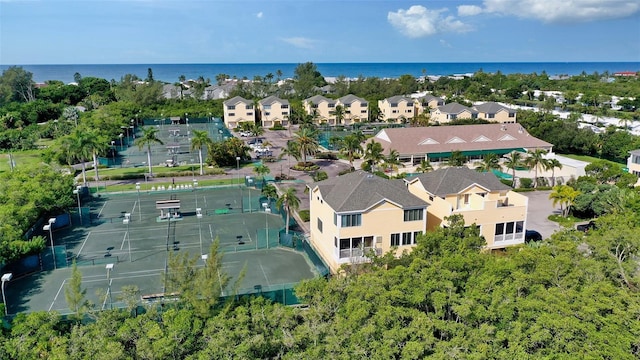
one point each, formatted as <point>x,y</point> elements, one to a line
<point>540,207</point>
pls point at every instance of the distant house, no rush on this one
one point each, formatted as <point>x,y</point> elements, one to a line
<point>452,111</point>
<point>358,213</point>
<point>480,198</point>
<point>494,112</point>
<point>322,109</point>
<point>626,73</point>
<point>171,91</point>
<point>274,111</point>
<point>428,103</point>
<point>474,141</point>
<point>397,109</point>
<point>218,91</point>
<point>633,164</point>
<point>356,109</point>
<point>238,110</point>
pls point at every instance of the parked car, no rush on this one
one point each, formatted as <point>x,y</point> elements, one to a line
<point>246,133</point>
<point>532,235</point>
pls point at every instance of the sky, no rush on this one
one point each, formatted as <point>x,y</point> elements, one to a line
<point>321,31</point>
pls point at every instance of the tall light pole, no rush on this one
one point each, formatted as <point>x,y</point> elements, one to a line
<point>126,221</point>
<point>49,227</point>
<point>138,190</point>
<point>195,188</point>
<point>77,193</point>
<point>121,136</point>
<point>199,216</point>
<point>109,267</point>
<point>5,278</point>
<point>266,220</point>
<point>238,180</point>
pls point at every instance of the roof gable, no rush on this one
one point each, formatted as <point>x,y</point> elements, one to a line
<point>481,138</point>
<point>453,180</point>
<point>455,140</point>
<point>428,141</point>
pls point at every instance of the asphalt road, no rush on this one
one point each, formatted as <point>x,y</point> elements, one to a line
<point>540,207</point>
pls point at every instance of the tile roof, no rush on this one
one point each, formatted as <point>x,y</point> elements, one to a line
<point>492,108</point>
<point>317,99</point>
<point>397,99</point>
<point>359,191</point>
<point>237,99</point>
<point>272,99</point>
<point>455,108</point>
<point>436,139</point>
<point>453,180</point>
<point>349,99</point>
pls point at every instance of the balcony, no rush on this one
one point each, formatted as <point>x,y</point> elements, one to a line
<point>356,252</point>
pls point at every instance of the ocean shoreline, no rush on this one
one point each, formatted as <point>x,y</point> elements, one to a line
<point>171,72</point>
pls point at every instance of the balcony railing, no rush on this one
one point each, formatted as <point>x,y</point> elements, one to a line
<point>355,252</point>
<point>509,237</point>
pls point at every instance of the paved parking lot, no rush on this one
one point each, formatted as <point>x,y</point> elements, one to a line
<point>540,207</point>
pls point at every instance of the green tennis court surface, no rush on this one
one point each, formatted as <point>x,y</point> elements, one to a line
<point>139,249</point>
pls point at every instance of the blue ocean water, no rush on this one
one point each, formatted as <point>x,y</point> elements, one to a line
<point>171,72</point>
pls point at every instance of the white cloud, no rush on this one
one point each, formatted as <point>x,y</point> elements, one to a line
<point>259,15</point>
<point>558,11</point>
<point>300,42</point>
<point>469,10</point>
<point>418,21</point>
<point>444,43</point>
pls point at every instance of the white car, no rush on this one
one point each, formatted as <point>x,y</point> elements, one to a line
<point>246,133</point>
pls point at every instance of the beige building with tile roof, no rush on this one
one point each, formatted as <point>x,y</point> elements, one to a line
<point>357,213</point>
<point>274,111</point>
<point>399,109</point>
<point>356,109</point>
<point>428,103</point>
<point>238,110</point>
<point>322,109</point>
<point>452,111</point>
<point>480,198</point>
<point>438,142</point>
<point>494,112</point>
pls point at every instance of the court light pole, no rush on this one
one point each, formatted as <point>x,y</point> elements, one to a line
<point>238,169</point>
<point>199,216</point>
<point>138,190</point>
<point>195,188</point>
<point>77,192</point>
<point>126,221</point>
<point>6,278</point>
<point>49,227</point>
<point>109,267</point>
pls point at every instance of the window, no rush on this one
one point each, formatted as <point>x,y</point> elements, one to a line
<point>409,111</point>
<point>351,220</point>
<point>332,105</point>
<point>413,215</point>
<point>267,107</point>
<point>249,114</point>
<point>491,116</point>
<point>284,106</point>
<point>452,116</point>
<point>320,225</point>
<point>335,219</point>
<point>395,239</point>
<point>466,198</point>
<point>415,236</point>
<point>346,106</point>
<point>511,115</point>
<point>513,230</point>
<point>406,238</point>
<point>394,111</point>
<point>364,104</point>
<point>231,107</point>
<point>363,111</point>
<point>285,113</point>
<point>232,114</point>
<point>394,105</point>
<point>267,113</point>
<point>248,107</point>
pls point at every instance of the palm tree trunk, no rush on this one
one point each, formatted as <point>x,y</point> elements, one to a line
<point>287,224</point>
<point>201,164</point>
<point>95,166</point>
<point>149,160</point>
<point>553,177</point>
<point>84,172</point>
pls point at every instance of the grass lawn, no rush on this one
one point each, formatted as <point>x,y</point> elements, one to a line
<point>567,222</point>
<point>591,159</point>
<point>21,158</point>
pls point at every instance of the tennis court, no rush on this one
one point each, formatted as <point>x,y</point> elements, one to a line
<point>134,234</point>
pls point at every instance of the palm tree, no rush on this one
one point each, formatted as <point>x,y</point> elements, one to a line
<point>339,113</point>
<point>256,130</point>
<point>262,170</point>
<point>565,196</point>
<point>489,162</point>
<point>149,137</point>
<point>513,161</point>
<point>307,142</point>
<point>199,141</point>
<point>457,158</point>
<point>289,202</point>
<point>97,145</point>
<point>291,150</point>
<point>554,164</point>
<point>425,166</point>
<point>536,160</point>
<point>350,147</point>
<point>76,146</point>
<point>373,154</point>
<point>392,161</point>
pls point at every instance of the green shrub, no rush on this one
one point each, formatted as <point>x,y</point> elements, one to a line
<point>277,127</point>
<point>304,215</point>
<point>507,182</point>
<point>350,170</point>
<point>526,183</point>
